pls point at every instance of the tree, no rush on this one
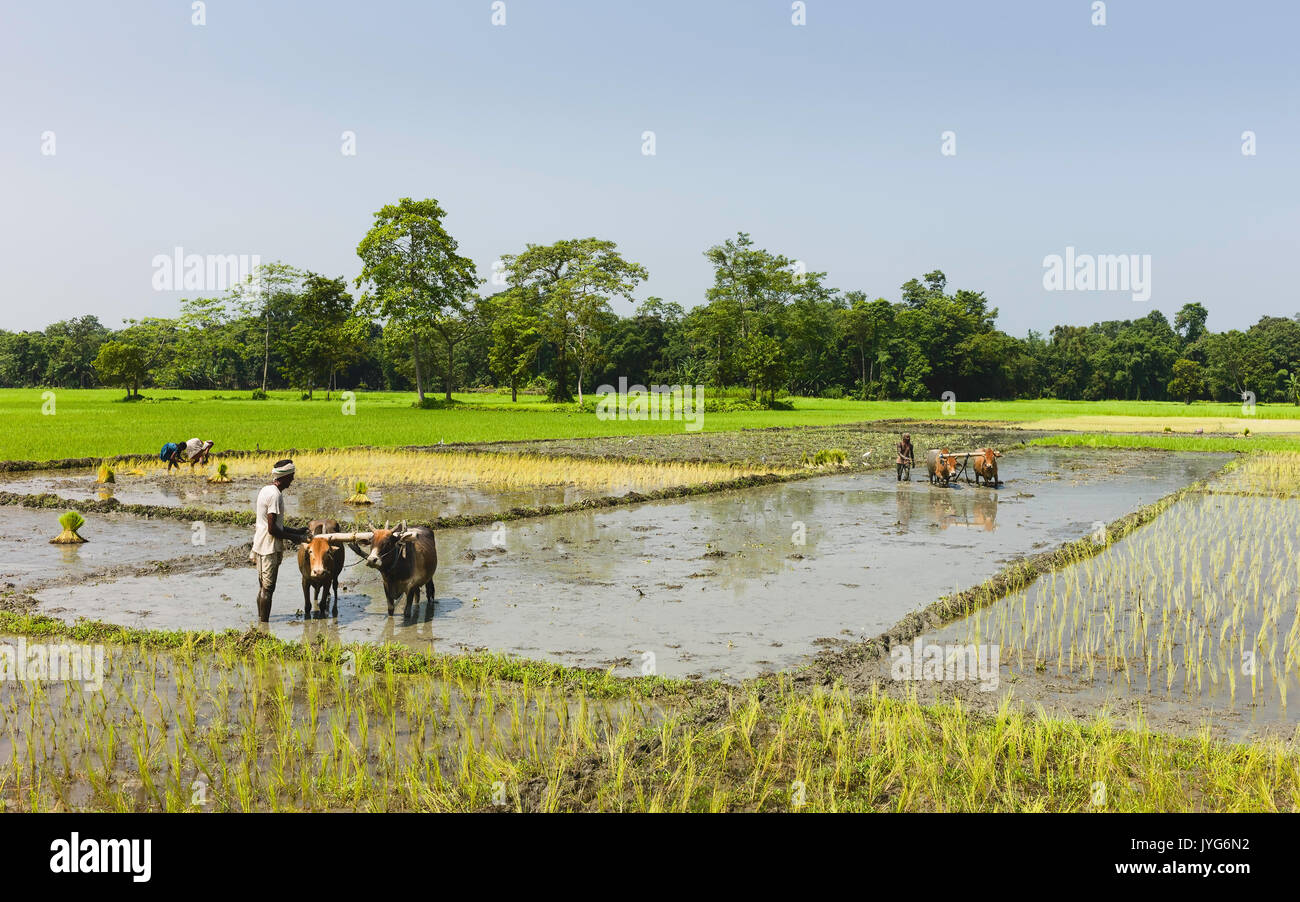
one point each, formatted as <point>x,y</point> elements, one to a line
<point>71,347</point>
<point>324,336</point>
<point>122,363</point>
<point>1292,386</point>
<point>128,359</point>
<point>269,294</point>
<point>1189,322</point>
<point>764,364</point>
<point>416,278</point>
<point>514,332</point>
<point>1188,382</point>
<point>751,289</point>
<point>568,286</point>
<point>867,324</point>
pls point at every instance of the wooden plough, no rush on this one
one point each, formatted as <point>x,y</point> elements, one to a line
<point>344,538</point>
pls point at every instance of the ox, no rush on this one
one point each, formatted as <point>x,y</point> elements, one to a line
<point>320,564</point>
<point>985,466</point>
<point>406,559</point>
<point>940,465</point>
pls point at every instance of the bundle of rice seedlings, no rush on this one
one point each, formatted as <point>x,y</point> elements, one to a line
<point>71,522</point>
<point>830,457</point>
<point>359,495</point>
<point>105,474</point>
<point>221,476</point>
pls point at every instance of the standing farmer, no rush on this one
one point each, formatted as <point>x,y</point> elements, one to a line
<point>270,534</point>
<point>906,456</point>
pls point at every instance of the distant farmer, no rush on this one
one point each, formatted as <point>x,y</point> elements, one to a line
<point>270,535</point>
<point>906,456</point>
<point>193,452</point>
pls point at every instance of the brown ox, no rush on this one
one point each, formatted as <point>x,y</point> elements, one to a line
<point>320,564</point>
<point>940,465</point>
<point>986,467</point>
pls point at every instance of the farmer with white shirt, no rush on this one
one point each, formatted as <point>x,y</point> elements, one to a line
<point>270,534</point>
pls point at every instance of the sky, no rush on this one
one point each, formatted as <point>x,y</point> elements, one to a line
<point>824,140</point>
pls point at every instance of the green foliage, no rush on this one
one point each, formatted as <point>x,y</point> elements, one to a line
<point>1188,382</point>
<point>415,278</point>
<point>567,286</point>
<point>72,521</point>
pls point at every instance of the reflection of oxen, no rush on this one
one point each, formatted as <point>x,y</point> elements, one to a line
<point>945,509</point>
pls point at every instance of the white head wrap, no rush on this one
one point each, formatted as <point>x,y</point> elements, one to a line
<point>283,469</point>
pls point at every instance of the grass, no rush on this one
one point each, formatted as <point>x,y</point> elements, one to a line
<point>94,422</point>
<point>1238,443</point>
<point>71,522</point>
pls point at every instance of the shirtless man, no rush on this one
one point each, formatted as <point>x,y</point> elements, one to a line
<point>906,457</point>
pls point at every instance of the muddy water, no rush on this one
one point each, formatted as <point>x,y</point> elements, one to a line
<point>26,555</point>
<point>1191,619</point>
<point>724,585</point>
<point>307,497</point>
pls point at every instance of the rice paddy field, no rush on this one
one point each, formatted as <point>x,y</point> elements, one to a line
<point>634,618</point>
<point>98,423</point>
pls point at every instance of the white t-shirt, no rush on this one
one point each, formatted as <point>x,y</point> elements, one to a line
<point>192,448</point>
<point>269,501</point>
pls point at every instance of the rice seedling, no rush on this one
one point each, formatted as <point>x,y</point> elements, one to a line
<point>358,495</point>
<point>256,732</point>
<point>105,474</point>
<point>71,521</point>
<point>827,457</point>
<point>1198,605</point>
<point>222,475</point>
<point>496,470</point>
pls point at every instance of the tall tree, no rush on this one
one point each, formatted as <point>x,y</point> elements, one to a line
<point>569,285</point>
<point>514,332</point>
<point>750,290</point>
<point>269,294</point>
<point>415,277</point>
<point>324,335</point>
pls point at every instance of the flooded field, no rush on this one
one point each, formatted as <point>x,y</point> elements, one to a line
<point>725,585</point>
<point>27,557</point>
<point>1192,619</point>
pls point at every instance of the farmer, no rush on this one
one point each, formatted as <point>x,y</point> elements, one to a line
<point>195,451</point>
<point>906,456</point>
<point>270,534</point>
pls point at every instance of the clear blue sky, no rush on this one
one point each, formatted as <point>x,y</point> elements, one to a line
<point>823,141</point>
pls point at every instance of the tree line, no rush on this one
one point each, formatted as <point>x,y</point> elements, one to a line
<point>418,317</point>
